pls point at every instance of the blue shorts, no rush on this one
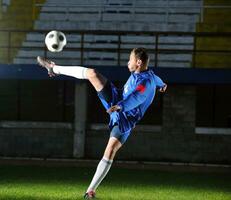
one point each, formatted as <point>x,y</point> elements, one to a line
<point>122,137</point>
<point>109,96</point>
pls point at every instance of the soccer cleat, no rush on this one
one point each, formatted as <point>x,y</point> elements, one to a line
<point>47,64</point>
<point>89,195</point>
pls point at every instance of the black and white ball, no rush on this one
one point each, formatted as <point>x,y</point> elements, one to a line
<point>55,41</point>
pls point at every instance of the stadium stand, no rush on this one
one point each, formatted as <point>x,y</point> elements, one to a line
<point>161,15</point>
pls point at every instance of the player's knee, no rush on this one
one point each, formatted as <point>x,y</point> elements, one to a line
<point>111,151</point>
<point>92,73</point>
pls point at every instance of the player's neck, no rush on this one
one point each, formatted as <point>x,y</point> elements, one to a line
<point>141,69</point>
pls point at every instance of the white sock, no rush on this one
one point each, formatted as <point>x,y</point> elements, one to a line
<point>74,71</point>
<point>101,171</point>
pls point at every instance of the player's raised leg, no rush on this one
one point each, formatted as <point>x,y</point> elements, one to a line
<point>96,79</point>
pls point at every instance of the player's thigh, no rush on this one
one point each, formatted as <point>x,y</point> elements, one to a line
<point>109,95</point>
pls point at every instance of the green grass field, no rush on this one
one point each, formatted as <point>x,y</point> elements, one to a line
<point>66,183</point>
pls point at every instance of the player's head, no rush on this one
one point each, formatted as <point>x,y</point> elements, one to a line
<point>138,60</point>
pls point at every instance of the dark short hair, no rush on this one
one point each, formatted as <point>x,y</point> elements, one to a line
<point>141,53</point>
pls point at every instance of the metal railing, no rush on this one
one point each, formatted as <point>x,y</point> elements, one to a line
<point>155,48</point>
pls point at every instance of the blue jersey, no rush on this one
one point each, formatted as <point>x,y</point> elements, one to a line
<point>138,93</point>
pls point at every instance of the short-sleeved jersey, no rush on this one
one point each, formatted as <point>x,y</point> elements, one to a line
<point>138,94</point>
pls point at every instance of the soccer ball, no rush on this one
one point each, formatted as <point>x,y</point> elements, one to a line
<point>55,41</point>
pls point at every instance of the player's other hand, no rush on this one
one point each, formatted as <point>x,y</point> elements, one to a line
<point>163,89</point>
<point>113,109</point>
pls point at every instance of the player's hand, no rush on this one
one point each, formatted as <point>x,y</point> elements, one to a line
<point>113,109</point>
<point>163,89</point>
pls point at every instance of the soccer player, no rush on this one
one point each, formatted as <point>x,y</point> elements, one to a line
<point>125,108</point>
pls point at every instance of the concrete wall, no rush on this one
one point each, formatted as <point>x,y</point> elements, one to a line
<point>31,142</point>
<point>176,140</point>
<point>157,146</point>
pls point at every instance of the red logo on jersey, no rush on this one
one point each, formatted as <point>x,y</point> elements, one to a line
<point>140,88</point>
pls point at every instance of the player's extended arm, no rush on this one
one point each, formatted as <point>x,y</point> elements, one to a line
<point>160,84</point>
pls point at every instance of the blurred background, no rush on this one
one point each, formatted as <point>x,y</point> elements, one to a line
<point>189,42</point>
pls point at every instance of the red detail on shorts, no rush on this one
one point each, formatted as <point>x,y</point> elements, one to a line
<point>140,88</point>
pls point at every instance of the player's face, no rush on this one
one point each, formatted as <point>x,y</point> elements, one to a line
<point>132,63</point>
